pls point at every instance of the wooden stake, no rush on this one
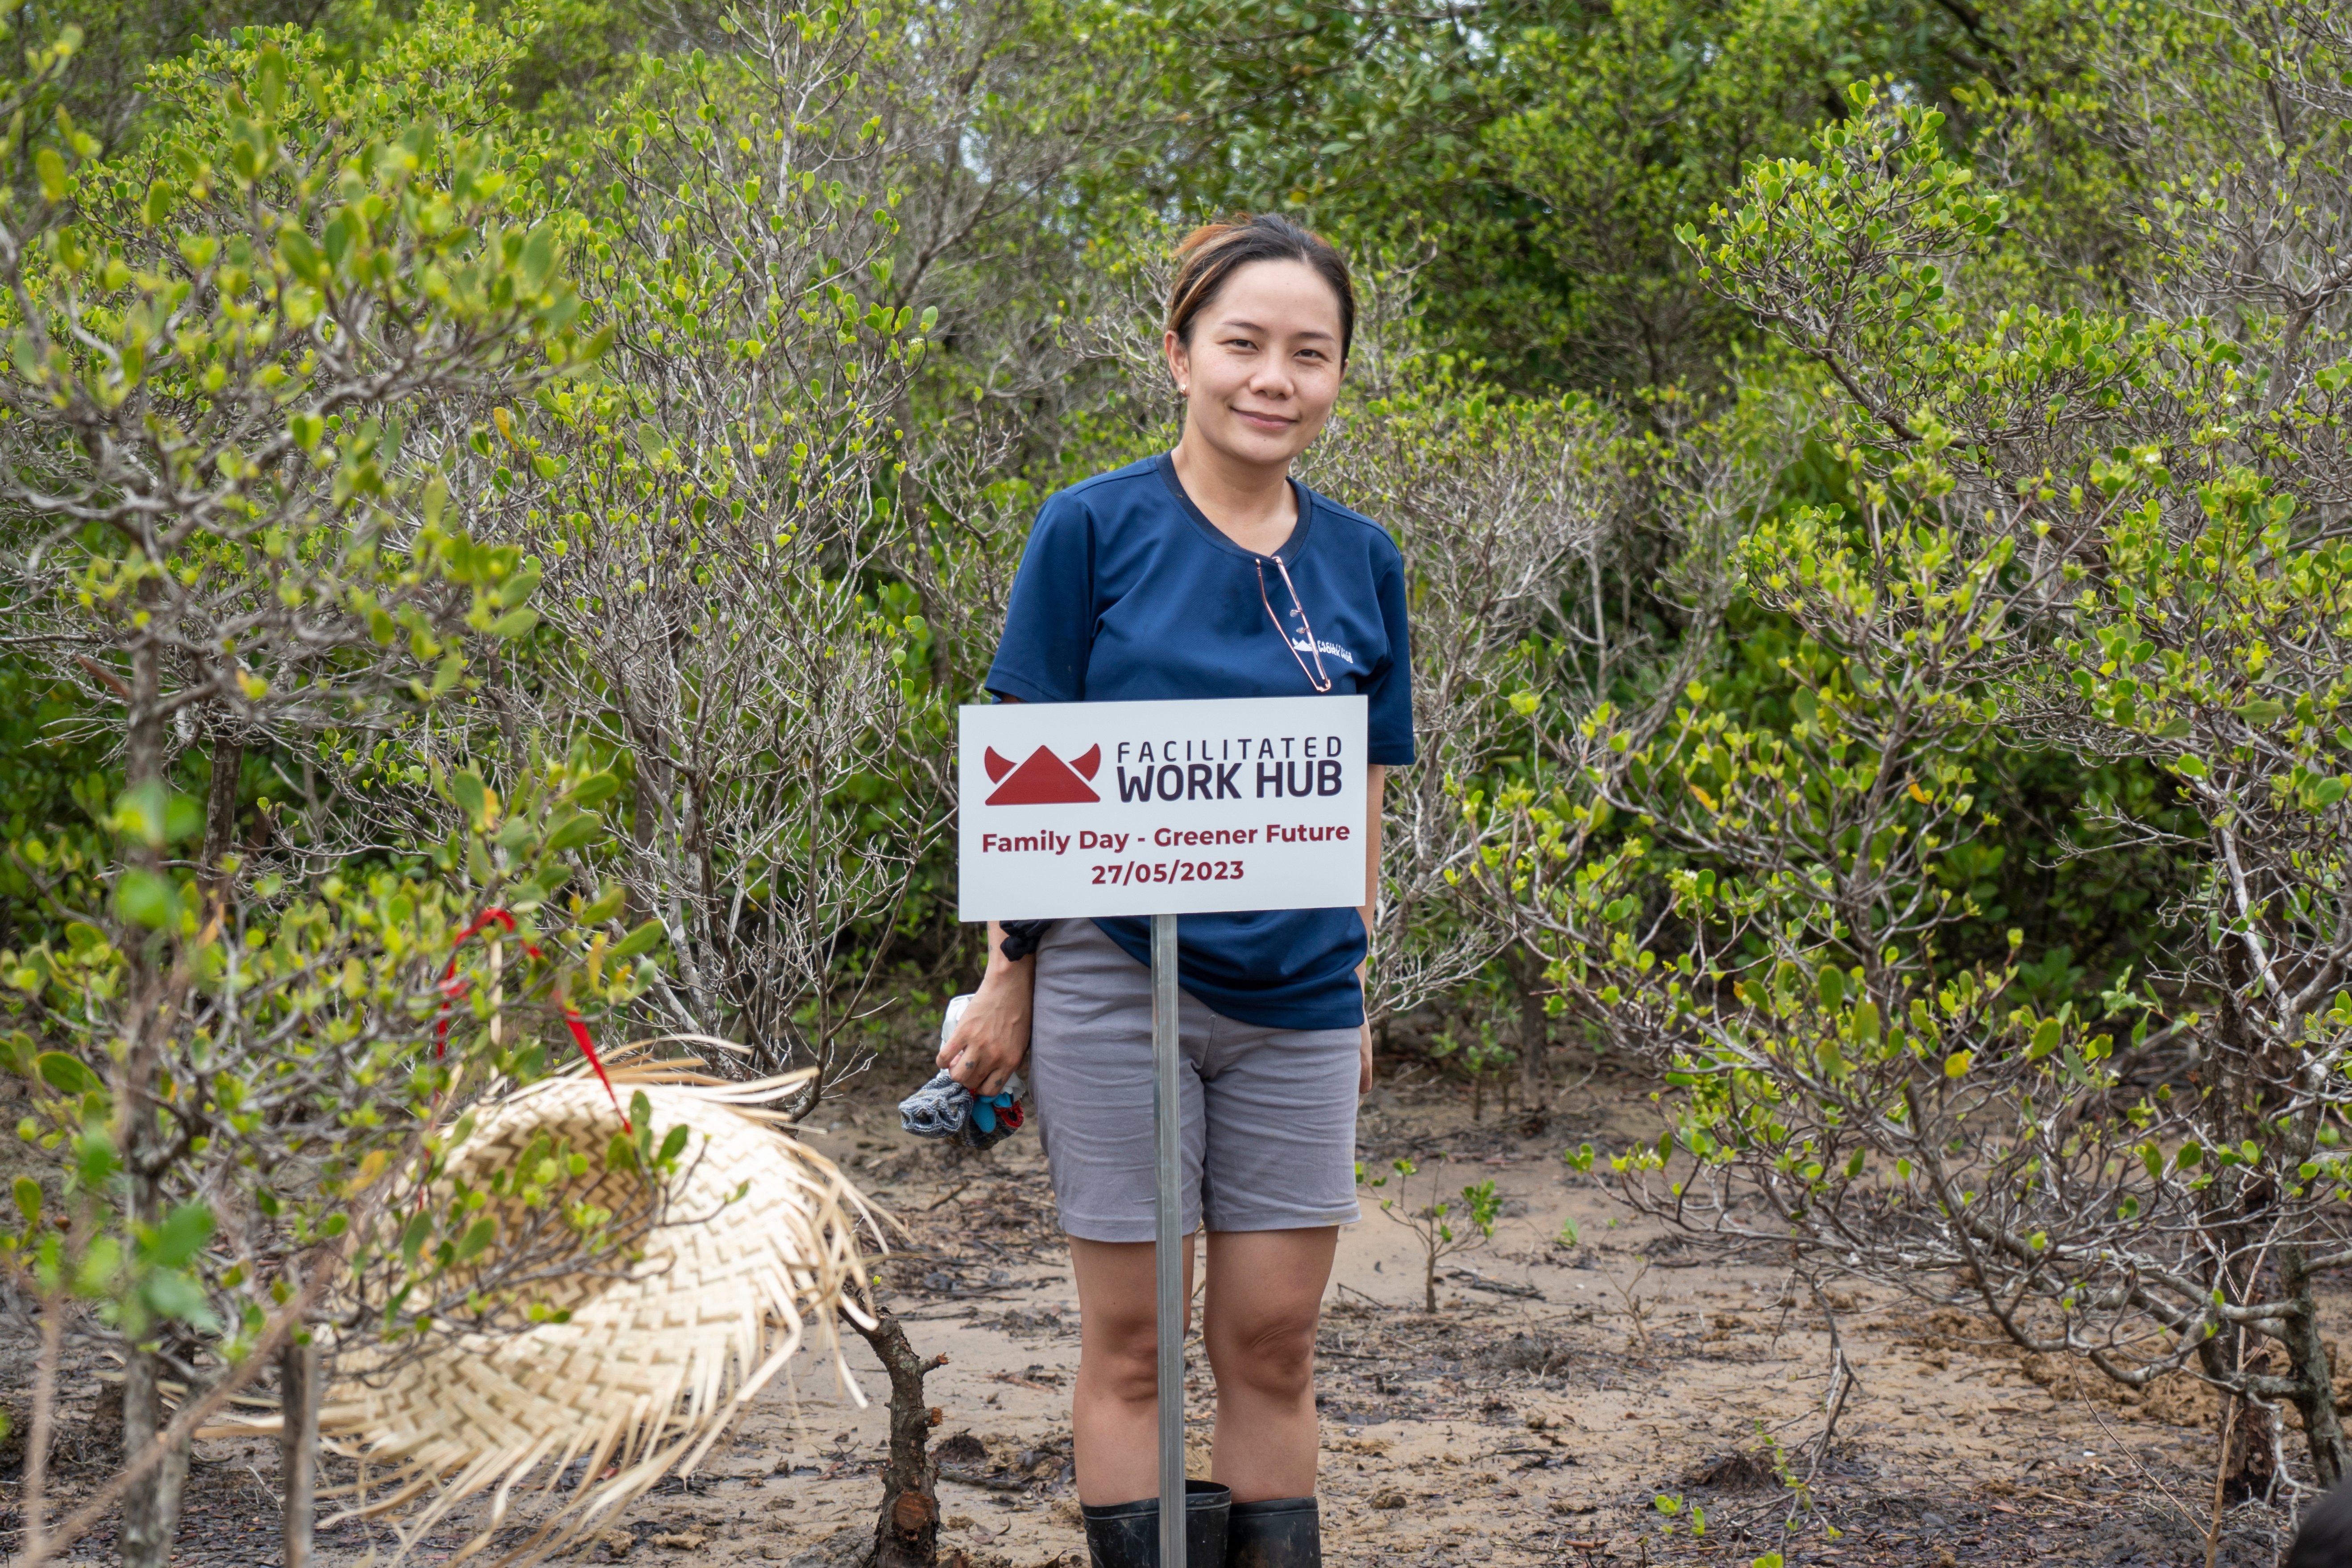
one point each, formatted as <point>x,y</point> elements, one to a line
<point>297,1379</point>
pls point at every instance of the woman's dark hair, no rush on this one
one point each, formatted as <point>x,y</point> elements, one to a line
<point>1215,251</point>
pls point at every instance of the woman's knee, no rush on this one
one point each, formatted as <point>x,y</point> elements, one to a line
<point>1269,1353</point>
<point>1122,1360</point>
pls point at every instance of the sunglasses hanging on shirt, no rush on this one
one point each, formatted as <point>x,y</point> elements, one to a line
<point>1316,677</point>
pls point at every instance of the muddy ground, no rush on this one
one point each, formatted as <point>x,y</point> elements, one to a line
<point>1628,1398</point>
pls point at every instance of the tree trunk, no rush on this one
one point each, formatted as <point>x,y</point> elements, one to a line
<point>2246,1465</point>
<point>151,1512</point>
<point>1535,1036</point>
<point>2249,1463</point>
<point>220,812</point>
<point>297,1442</point>
<point>502,699</point>
<point>907,1535</point>
<point>646,787</point>
<point>2315,1376</point>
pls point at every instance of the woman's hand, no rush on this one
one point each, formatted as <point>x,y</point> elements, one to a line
<point>1364,1079</point>
<point>991,1039</point>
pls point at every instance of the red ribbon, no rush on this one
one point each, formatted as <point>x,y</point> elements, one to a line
<point>453,987</point>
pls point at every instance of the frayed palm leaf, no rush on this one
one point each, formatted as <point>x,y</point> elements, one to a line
<point>754,1247</point>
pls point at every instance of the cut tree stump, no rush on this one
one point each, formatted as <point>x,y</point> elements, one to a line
<point>907,1534</point>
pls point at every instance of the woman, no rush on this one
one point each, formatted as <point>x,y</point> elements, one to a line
<point>1207,573</point>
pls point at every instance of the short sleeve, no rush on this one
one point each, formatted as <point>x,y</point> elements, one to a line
<point>1049,622</point>
<point>1389,690</point>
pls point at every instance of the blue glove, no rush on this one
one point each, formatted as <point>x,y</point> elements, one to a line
<point>993,1119</point>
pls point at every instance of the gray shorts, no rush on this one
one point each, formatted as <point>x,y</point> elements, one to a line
<point>1269,1114</point>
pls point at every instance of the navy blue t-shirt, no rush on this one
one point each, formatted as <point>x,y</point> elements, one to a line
<point>1128,594</point>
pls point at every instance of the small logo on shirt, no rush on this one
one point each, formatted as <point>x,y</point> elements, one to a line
<point>1303,646</point>
<point>1043,780</point>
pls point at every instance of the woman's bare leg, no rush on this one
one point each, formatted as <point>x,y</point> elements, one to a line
<point>1114,1407</point>
<point>1264,1295</point>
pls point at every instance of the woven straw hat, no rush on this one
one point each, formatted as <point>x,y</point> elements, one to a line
<point>655,1359</point>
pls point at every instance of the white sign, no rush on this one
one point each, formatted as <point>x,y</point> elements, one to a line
<point>1069,810</point>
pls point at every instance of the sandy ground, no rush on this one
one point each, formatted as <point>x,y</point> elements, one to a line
<point>1618,1400</point>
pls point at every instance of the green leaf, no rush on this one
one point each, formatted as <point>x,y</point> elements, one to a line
<point>65,1074</point>
<point>301,257</point>
<point>476,1240</point>
<point>580,827</point>
<point>472,798</point>
<point>143,813</point>
<point>1832,986</point>
<point>539,256</point>
<point>641,939</point>
<point>514,623</point>
<point>28,1199</point>
<point>595,788</point>
<point>183,1233</point>
<point>170,1294</point>
<point>100,1262</point>
<point>94,1161</point>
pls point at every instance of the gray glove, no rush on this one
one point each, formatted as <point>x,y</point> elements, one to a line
<point>946,1108</point>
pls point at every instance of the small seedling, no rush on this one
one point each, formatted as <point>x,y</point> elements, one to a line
<point>1670,1505</point>
<point>1637,1311</point>
<point>1434,1221</point>
<point>1482,1055</point>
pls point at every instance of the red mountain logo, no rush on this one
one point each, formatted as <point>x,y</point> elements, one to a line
<point>1043,780</point>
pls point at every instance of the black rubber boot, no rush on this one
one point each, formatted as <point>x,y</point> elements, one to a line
<point>1127,1535</point>
<point>2325,1539</point>
<point>1279,1532</point>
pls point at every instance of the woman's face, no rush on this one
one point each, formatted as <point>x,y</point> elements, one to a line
<point>1262,370</point>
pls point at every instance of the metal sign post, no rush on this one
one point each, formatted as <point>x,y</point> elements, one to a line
<point>1080,809</point>
<point>1168,1241</point>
